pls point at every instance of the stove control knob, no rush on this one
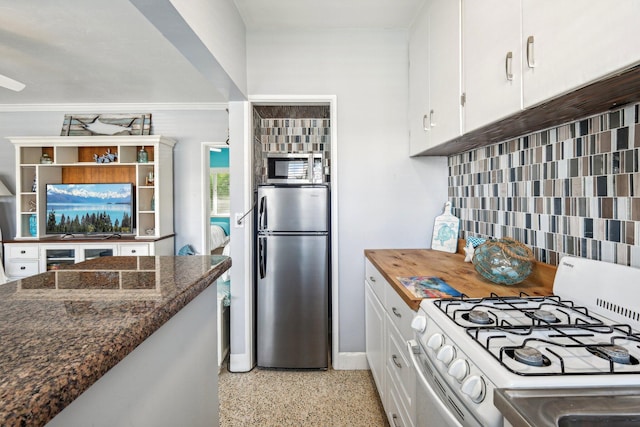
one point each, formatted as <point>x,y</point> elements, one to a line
<point>459,369</point>
<point>435,341</point>
<point>419,323</point>
<point>446,354</point>
<point>474,387</point>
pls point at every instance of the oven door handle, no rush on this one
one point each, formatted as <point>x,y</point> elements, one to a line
<point>422,382</point>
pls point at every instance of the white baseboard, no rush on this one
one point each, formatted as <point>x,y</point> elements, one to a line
<point>350,361</point>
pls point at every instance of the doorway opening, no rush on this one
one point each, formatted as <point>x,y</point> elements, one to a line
<point>294,130</point>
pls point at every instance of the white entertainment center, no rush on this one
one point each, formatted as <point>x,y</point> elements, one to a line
<point>72,160</point>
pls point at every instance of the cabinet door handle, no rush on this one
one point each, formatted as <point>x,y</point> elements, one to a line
<point>23,252</point>
<point>508,65</point>
<point>396,312</point>
<point>394,417</point>
<point>530,57</point>
<point>133,251</point>
<point>425,122</point>
<point>431,114</point>
<point>394,358</point>
<point>372,279</point>
<point>23,267</point>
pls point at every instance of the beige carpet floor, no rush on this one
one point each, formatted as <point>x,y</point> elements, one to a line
<point>293,398</point>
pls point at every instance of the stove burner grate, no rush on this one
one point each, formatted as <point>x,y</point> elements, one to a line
<point>528,355</point>
<point>544,315</point>
<point>478,317</point>
<point>613,353</point>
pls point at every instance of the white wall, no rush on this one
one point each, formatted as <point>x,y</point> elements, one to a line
<point>189,127</point>
<point>386,199</point>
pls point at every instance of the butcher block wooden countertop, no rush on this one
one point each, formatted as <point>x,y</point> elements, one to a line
<point>394,263</point>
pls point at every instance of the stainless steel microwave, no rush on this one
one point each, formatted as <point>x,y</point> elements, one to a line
<point>294,168</point>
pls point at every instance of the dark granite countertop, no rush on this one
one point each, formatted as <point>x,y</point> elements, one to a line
<point>62,330</point>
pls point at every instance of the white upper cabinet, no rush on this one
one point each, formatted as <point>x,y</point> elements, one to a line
<point>419,131</point>
<point>492,74</point>
<point>434,75</point>
<point>574,42</point>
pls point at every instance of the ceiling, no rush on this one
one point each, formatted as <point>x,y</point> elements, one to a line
<point>96,51</point>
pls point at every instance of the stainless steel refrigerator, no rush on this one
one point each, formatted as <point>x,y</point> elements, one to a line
<point>292,276</point>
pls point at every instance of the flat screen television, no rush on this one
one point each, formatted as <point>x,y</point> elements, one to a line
<point>90,208</point>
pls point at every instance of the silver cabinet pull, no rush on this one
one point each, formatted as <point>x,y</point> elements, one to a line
<point>372,278</point>
<point>431,114</point>
<point>425,125</point>
<point>394,358</point>
<point>395,311</point>
<point>508,65</point>
<point>394,417</point>
<point>530,58</point>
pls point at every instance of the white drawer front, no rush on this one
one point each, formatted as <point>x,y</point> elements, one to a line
<point>376,280</point>
<point>23,251</point>
<point>399,313</point>
<point>21,269</point>
<point>134,250</point>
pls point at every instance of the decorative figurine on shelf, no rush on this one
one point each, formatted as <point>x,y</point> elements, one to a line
<point>149,179</point>
<point>45,159</point>
<point>468,252</point>
<point>32,206</point>
<point>107,157</point>
<point>34,186</point>
<point>143,156</point>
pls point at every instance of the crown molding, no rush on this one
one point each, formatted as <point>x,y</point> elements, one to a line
<point>119,107</point>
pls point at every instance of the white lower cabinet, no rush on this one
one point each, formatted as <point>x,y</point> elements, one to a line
<point>388,328</point>
<point>30,258</point>
<point>374,315</point>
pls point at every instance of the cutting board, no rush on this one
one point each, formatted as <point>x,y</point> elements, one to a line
<point>445,231</point>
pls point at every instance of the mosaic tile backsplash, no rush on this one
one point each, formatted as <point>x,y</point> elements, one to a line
<point>291,135</point>
<point>573,189</point>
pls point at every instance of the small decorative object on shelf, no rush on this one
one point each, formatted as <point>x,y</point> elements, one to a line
<point>153,202</point>
<point>503,261</point>
<point>150,231</point>
<point>33,225</point>
<point>45,159</point>
<point>149,179</point>
<point>107,157</point>
<point>468,252</point>
<point>143,156</point>
<point>34,186</point>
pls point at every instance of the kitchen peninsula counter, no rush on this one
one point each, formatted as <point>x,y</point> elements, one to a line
<point>451,268</point>
<point>63,330</point>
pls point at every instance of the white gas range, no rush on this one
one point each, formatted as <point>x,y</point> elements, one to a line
<point>585,336</point>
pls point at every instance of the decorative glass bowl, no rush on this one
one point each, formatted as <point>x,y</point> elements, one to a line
<point>503,261</point>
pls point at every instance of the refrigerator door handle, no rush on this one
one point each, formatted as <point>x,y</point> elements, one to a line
<point>262,222</point>
<point>262,255</point>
